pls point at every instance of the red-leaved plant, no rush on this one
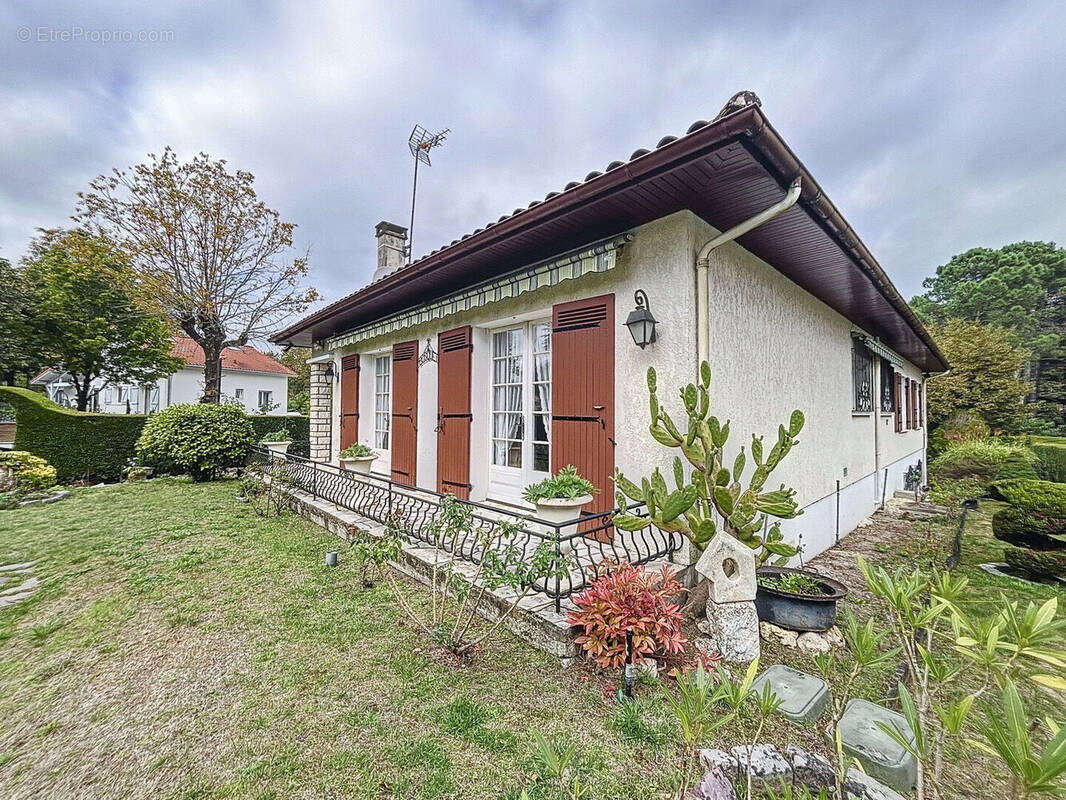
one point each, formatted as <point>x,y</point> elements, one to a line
<point>629,597</point>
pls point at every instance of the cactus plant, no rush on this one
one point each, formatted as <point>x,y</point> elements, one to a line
<point>710,487</point>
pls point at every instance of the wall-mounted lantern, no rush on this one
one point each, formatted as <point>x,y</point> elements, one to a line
<point>330,373</point>
<point>640,322</point>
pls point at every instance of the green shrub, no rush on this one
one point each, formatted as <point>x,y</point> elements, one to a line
<point>1017,467</point>
<point>1039,564</point>
<point>1052,465</point>
<point>1038,497</point>
<point>200,439</point>
<point>29,471</point>
<point>79,445</point>
<point>981,459</point>
<point>1023,528</point>
<point>951,493</point>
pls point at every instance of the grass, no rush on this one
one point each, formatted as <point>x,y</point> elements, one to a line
<point>181,647</point>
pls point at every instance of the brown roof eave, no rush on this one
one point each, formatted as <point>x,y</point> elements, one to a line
<point>770,144</point>
<point>713,134</point>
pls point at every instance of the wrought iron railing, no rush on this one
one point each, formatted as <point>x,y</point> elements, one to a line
<point>586,544</point>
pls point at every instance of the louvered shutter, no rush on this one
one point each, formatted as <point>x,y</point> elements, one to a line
<point>921,408</point>
<point>404,412</point>
<point>899,404</point>
<point>453,415</point>
<point>349,401</point>
<point>583,393</point>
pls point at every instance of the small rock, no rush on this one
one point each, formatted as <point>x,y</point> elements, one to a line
<point>810,642</point>
<point>834,637</point>
<point>770,631</point>
<point>860,786</point>
<point>720,760</point>
<point>865,523</point>
<point>765,765</point>
<point>714,786</point>
<point>810,769</point>
<point>649,667</point>
<point>55,498</point>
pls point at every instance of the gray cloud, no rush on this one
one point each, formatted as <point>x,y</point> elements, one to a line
<point>934,127</point>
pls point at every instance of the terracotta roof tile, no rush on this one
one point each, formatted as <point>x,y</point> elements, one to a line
<point>245,358</point>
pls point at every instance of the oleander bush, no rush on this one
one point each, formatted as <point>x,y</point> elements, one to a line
<point>81,446</point>
<point>200,439</point>
<point>629,597</point>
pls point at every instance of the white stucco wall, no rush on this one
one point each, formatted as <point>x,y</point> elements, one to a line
<point>773,346</point>
<point>187,386</point>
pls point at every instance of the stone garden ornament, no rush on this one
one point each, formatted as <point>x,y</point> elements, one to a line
<point>732,623</point>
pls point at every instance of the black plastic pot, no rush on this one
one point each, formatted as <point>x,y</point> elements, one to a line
<point>798,612</point>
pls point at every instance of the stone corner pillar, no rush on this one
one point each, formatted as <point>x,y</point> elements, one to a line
<point>321,414</point>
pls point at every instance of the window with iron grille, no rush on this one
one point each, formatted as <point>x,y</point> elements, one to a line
<point>888,387</point>
<point>862,367</point>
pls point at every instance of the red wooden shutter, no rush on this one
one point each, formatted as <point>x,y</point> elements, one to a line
<point>453,413</point>
<point>899,403</point>
<point>921,408</point>
<point>582,431</point>
<point>349,401</point>
<point>404,412</point>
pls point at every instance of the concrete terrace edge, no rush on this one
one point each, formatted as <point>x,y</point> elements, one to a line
<point>535,620</point>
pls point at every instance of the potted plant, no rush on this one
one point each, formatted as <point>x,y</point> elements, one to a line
<point>357,458</point>
<point>277,441</point>
<point>559,498</point>
<point>796,599</point>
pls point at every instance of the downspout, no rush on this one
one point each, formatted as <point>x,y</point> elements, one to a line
<point>703,349</point>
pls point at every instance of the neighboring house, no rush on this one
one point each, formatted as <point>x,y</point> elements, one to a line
<point>490,362</point>
<point>249,376</point>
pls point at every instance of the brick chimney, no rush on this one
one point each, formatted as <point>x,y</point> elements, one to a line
<point>392,246</point>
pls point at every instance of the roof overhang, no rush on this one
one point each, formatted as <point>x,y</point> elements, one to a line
<point>724,172</point>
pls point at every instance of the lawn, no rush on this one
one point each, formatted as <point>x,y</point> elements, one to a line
<point>179,646</point>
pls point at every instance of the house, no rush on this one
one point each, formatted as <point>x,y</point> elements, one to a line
<point>249,376</point>
<point>484,365</point>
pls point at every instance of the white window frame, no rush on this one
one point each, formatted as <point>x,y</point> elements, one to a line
<point>506,483</point>
<point>268,405</point>
<point>238,394</point>
<point>382,422</point>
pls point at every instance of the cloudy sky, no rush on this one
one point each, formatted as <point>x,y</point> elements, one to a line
<point>935,127</point>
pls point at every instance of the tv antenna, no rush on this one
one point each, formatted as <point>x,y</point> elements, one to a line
<point>421,142</point>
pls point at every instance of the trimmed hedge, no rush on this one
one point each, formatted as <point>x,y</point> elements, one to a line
<point>298,427</point>
<point>1038,564</point>
<point>81,446</point>
<point>1040,497</point>
<point>89,446</point>
<point>1052,465</point>
<point>1024,529</point>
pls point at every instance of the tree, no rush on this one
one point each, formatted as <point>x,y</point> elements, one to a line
<point>1021,287</point>
<point>295,358</point>
<point>212,255</point>
<point>18,346</point>
<point>985,365</point>
<point>88,321</point>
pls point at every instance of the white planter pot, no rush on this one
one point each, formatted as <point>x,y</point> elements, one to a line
<point>559,510</point>
<point>360,464</point>
<point>281,448</point>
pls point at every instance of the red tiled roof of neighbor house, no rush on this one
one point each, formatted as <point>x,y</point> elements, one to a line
<point>244,359</point>
<point>725,171</point>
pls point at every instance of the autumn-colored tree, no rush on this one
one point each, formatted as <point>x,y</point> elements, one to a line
<point>87,317</point>
<point>213,257</point>
<point>984,377</point>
